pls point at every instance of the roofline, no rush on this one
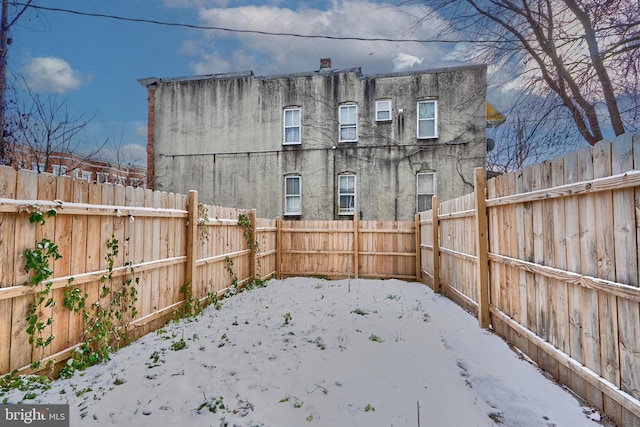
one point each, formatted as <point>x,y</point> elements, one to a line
<point>149,81</point>
<point>153,81</point>
<point>449,69</point>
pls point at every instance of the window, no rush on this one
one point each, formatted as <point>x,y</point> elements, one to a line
<point>346,194</point>
<point>425,189</point>
<point>292,195</point>
<point>59,170</point>
<point>348,123</point>
<point>37,167</point>
<point>102,177</point>
<point>292,132</point>
<point>86,175</point>
<point>427,119</point>
<point>383,110</point>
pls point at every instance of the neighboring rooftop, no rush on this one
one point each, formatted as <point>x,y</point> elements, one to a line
<point>325,69</point>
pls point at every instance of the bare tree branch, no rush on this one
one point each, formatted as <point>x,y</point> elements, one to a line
<point>584,52</point>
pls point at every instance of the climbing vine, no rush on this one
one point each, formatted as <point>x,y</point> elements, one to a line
<point>191,306</point>
<point>245,222</point>
<point>203,218</point>
<point>233,288</point>
<point>106,321</point>
<point>37,262</point>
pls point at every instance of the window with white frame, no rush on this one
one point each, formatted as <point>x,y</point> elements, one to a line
<point>37,167</point>
<point>76,173</point>
<point>292,195</point>
<point>346,194</point>
<point>425,190</point>
<point>348,123</point>
<point>427,119</point>
<point>383,110</point>
<point>102,176</point>
<point>292,126</point>
<point>86,175</point>
<point>59,170</point>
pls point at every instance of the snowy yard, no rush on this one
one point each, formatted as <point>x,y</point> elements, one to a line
<point>307,351</point>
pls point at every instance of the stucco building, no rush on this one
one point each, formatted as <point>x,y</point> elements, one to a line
<point>319,145</point>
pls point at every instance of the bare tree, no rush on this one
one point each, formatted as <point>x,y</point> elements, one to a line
<point>537,130</point>
<point>44,127</point>
<point>127,159</point>
<point>6,22</point>
<point>584,52</point>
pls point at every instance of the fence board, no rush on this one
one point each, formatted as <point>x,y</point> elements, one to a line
<point>558,298</point>
<point>78,264</point>
<point>588,266</point>
<point>607,303</point>
<point>494,227</point>
<point>511,292</point>
<point>25,235</point>
<point>63,237</point>
<point>94,246</point>
<point>8,180</point>
<point>626,251</point>
<point>46,191</point>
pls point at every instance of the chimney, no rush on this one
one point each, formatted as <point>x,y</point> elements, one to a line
<point>325,63</point>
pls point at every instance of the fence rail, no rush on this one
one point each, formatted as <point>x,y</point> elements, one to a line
<point>548,256</point>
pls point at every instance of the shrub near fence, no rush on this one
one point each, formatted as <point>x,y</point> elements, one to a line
<point>560,277</point>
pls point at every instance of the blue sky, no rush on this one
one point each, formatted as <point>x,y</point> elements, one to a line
<point>95,62</point>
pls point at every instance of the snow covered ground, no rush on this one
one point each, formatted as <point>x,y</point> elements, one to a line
<point>306,351</point>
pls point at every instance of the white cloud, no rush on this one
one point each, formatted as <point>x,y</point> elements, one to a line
<point>51,74</point>
<point>403,61</point>
<point>343,18</point>
<point>141,131</point>
<point>134,154</point>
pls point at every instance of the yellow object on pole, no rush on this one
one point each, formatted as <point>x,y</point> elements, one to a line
<point>494,117</point>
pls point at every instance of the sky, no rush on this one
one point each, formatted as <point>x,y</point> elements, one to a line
<point>94,63</point>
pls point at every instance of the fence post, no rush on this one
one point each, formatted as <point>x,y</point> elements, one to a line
<point>356,249</point>
<point>418,233</point>
<point>278,248</point>
<point>253,263</point>
<point>435,225</point>
<point>192,238</point>
<point>482,248</point>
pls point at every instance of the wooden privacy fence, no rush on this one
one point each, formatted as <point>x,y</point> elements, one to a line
<point>548,256</point>
<point>337,249</point>
<point>171,244</point>
<point>175,248</point>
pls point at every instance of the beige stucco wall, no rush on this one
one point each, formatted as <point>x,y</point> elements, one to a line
<point>222,135</point>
